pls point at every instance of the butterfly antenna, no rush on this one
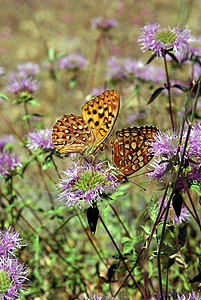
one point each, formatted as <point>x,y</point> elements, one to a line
<point>138,185</point>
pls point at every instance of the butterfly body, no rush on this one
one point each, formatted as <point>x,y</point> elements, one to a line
<point>86,134</point>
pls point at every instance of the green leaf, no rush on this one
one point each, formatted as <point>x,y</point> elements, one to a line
<point>25,117</point>
<point>130,242</point>
<point>92,217</point>
<point>174,58</point>
<point>151,58</point>
<point>153,208</point>
<point>73,82</point>
<point>34,102</point>
<point>195,186</point>
<point>51,54</point>
<point>155,94</point>
<point>4,97</point>
<point>180,87</point>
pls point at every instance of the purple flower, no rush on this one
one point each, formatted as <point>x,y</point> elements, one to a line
<point>9,241</point>
<point>164,148</point>
<point>72,62</point>
<point>116,69</point>
<point>159,41</point>
<point>178,296</point>
<point>85,183</point>
<point>5,139</point>
<point>106,25</point>
<point>97,297</point>
<point>144,72</point>
<point>40,139</point>
<point>28,69</point>
<point>22,84</point>
<point>172,217</point>
<point>8,162</point>
<point>12,277</point>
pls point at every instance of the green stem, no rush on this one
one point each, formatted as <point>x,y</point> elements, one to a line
<point>174,187</point>
<point>169,95</point>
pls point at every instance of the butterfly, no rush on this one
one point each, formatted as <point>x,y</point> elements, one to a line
<point>131,149</point>
<point>85,134</point>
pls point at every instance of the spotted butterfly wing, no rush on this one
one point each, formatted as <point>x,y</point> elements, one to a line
<point>130,149</point>
<point>85,134</point>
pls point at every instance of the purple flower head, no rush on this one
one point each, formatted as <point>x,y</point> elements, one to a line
<point>9,241</point>
<point>171,295</point>
<point>8,163</point>
<point>84,183</point>
<point>164,148</point>
<point>159,41</point>
<point>12,277</point>
<point>40,139</point>
<point>116,69</point>
<point>28,69</point>
<point>178,296</point>
<point>144,72</point>
<point>72,62</point>
<point>21,85</point>
<point>4,140</point>
<point>172,217</point>
<point>97,297</point>
<point>105,25</point>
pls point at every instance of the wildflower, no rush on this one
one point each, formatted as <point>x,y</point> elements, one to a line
<point>160,41</point>
<point>144,72</point>
<point>22,85</point>
<point>116,69</point>
<point>97,297</point>
<point>164,148</point>
<point>28,69</point>
<point>8,162</point>
<point>72,62</point>
<point>9,241</point>
<point>4,140</point>
<point>172,217</point>
<point>105,25</point>
<point>40,139</point>
<point>84,183</point>
<point>12,278</point>
<point>178,296</point>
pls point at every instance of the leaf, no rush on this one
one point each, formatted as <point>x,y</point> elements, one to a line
<point>197,278</point>
<point>177,202</point>
<point>72,82</point>
<point>148,230</point>
<point>150,59</point>
<point>155,94</point>
<point>34,102</point>
<point>174,58</point>
<point>180,87</point>
<point>195,186</point>
<point>112,269</point>
<point>92,217</point>
<point>4,97</point>
<point>153,208</point>
<point>51,54</point>
<point>130,242</point>
<point>25,117</point>
<point>182,235</point>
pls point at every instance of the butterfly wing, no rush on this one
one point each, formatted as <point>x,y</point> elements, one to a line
<point>130,148</point>
<point>101,113</point>
<point>72,134</point>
